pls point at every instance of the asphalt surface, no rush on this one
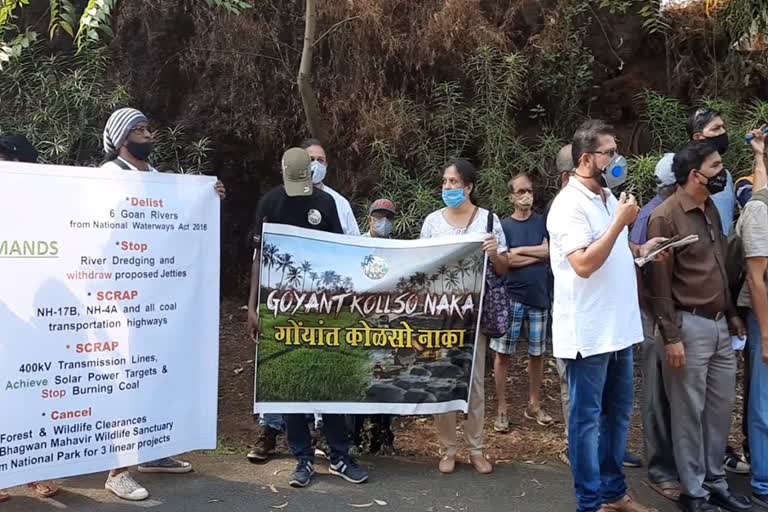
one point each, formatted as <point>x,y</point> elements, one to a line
<point>231,484</point>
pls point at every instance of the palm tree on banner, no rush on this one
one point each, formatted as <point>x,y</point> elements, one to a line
<point>433,281</point>
<point>366,260</point>
<point>327,278</point>
<point>306,267</point>
<point>349,285</point>
<point>453,280</point>
<point>442,271</point>
<point>420,281</point>
<point>294,277</point>
<point>464,267</point>
<point>284,262</point>
<point>313,277</point>
<point>402,284</point>
<point>478,263</point>
<point>269,258</point>
<point>336,280</point>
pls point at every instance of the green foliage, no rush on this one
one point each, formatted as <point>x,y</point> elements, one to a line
<point>62,102</point>
<point>653,18</point>
<point>95,23</point>
<point>666,117</point>
<point>233,6</point>
<point>641,180</point>
<point>479,124</point>
<point>62,17</point>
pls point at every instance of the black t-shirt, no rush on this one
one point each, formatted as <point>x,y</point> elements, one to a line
<point>317,211</point>
<point>529,284</point>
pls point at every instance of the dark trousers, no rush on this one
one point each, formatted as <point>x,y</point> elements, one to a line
<point>300,440</point>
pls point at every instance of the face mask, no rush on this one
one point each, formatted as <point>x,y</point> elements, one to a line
<point>318,171</point>
<point>716,183</point>
<point>615,173</point>
<point>720,143</point>
<point>382,228</point>
<point>524,203</point>
<point>139,150</point>
<point>453,198</point>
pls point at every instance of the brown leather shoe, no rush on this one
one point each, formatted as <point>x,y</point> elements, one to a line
<point>447,463</point>
<point>627,504</point>
<point>481,464</point>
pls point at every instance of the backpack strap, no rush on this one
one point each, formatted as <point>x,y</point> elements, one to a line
<point>124,166</point>
<point>489,225</point>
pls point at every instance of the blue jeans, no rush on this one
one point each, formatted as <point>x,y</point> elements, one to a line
<point>600,389</point>
<point>300,440</point>
<point>273,421</point>
<point>757,416</point>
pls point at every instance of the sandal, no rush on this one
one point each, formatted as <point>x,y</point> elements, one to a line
<point>669,490</point>
<point>481,463</point>
<point>4,496</point>
<point>447,464</point>
<point>46,489</point>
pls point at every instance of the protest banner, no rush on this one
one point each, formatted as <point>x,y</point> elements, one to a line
<point>366,325</point>
<point>109,312</point>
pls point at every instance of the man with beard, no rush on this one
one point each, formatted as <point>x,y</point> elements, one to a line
<point>596,316</point>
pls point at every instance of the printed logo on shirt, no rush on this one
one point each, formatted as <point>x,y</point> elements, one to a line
<point>314,217</point>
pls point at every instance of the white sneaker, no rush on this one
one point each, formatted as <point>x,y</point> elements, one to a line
<point>124,486</point>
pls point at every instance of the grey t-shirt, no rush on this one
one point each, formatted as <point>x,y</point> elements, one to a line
<point>753,229</point>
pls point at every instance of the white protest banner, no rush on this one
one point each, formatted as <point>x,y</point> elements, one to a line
<point>109,318</point>
<point>361,325</point>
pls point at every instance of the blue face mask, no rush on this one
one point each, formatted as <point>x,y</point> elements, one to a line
<point>453,198</point>
<point>381,228</point>
<point>318,171</point>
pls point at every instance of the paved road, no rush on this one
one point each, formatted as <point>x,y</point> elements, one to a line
<point>231,484</point>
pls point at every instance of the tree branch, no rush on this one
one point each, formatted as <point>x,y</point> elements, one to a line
<point>308,98</point>
<point>335,25</point>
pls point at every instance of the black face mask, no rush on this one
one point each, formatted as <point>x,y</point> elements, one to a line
<point>720,143</point>
<point>140,150</point>
<point>716,183</point>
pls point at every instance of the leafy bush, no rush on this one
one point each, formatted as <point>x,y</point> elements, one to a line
<point>61,103</point>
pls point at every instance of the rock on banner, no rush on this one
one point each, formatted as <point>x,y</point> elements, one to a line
<point>366,325</point>
<point>109,311</point>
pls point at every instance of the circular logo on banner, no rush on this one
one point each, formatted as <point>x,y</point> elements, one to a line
<point>314,217</point>
<point>375,267</point>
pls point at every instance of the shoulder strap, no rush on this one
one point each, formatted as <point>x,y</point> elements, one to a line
<point>471,219</point>
<point>489,226</point>
<point>124,166</point>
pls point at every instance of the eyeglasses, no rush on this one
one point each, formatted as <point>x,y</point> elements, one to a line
<point>522,191</point>
<point>140,129</point>
<point>608,152</point>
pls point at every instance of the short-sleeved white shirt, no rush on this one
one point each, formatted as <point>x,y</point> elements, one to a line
<point>346,216</point>
<point>599,314</point>
<point>436,226</point>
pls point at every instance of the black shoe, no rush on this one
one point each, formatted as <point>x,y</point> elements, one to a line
<point>727,500</point>
<point>264,447</point>
<point>302,474</point>
<point>689,504</point>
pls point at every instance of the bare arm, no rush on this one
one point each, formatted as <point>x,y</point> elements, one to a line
<point>586,262</point>
<point>517,260</point>
<point>540,252</point>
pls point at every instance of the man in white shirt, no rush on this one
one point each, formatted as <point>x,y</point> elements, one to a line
<point>596,317</point>
<point>319,170</point>
<point>127,143</point>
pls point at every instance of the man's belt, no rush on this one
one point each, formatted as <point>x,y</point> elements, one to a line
<point>703,313</point>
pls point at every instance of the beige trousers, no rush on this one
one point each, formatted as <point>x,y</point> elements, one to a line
<point>473,426</point>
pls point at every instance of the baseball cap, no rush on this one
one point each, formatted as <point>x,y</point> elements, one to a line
<point>17,147</point>
<point>663,173</point>
<point>382,205</point>
<point>297,177</point>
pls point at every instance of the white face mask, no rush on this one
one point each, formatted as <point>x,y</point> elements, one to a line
<point>318,171</point>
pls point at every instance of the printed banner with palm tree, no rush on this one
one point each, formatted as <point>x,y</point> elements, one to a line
<point>366,325</point>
